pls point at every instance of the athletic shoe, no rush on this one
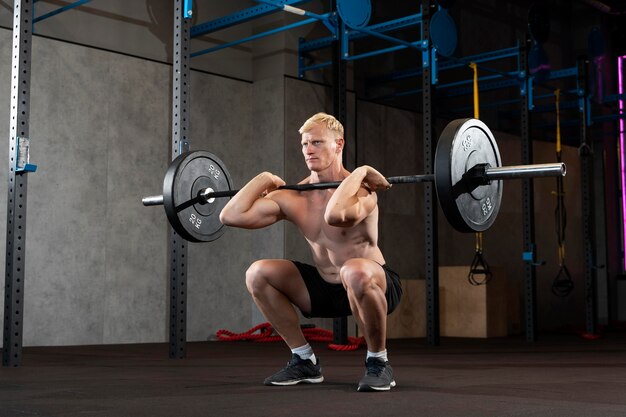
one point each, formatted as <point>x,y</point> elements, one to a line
<point>296,371</point>
<point>378,376</point>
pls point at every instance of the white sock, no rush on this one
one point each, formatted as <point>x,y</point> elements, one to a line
<point>382,355</point>
<point>305,352</point>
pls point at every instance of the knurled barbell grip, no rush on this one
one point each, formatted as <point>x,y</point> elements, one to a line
<point>411,179</point>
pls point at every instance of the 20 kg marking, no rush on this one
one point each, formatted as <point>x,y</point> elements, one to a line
<point>214,171</point>
<point>197,222</point>
<point>487,206</point>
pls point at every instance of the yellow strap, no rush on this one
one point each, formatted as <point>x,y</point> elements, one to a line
<point>474,67</point>
<point>479,242</point>
<point>557,93</point>
<point>476,107</point>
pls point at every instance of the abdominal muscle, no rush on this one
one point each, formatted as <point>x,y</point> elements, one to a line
<point>332,248</point>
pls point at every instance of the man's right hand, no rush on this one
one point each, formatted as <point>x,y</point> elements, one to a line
<point>249,209</point>
<point>373,179</point>
<point>273,182</point>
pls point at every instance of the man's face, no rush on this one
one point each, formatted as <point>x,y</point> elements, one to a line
<point>320,148</point>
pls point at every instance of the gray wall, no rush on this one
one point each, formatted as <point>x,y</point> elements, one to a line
<point>96,268</point>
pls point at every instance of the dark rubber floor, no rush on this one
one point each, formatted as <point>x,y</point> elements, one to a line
<point>559,375</point>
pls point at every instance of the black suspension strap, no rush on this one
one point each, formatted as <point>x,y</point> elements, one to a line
<point>479,265</point>
<point>563,283</point>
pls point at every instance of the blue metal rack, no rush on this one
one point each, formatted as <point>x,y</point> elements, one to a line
<point>59,10</point>
<point>251,14</point>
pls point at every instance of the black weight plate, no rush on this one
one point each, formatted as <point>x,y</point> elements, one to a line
<point>463,144</point>
<point>189,173</point>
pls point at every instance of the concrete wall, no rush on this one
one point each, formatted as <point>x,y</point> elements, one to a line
<point>96,268</point>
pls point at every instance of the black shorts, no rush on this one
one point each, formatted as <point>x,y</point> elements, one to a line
<point>331,300</point>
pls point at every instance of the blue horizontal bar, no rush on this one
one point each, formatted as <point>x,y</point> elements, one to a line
<point>563,105</point>
<point>480,79</point>
<point>485,87</point>
<point>403,22</point>
<point>254,37</point>
<point>239,17</point>
<point>608,117</point>
<point>315,67</point>
<point>279,6</point>
<point>551,95</point>
<point>60,10</point>
<point>448,63</point>
<point>461,91</point>
<point>567,72</point>
<point>613,97</point>
<point>376,52</point>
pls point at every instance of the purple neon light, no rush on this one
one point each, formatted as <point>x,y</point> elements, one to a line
<point>620,85</point>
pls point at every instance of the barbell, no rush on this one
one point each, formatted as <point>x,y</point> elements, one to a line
<point>468,176</point>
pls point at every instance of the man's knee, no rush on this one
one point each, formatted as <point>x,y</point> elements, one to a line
<point>357,277</point>
<point>256,275</point>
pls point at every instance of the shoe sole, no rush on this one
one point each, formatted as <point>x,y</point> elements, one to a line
<point>369,388</point>
<point>298,381</point>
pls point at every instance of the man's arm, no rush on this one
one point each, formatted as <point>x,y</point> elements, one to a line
<point>352,202</point>
<point>251,207</point>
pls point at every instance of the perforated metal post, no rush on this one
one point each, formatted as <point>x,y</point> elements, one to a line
<point>587,197</point>
<point>180,131</point>
<point>528,209</point>
<point>16,199</point>
<point>340,109</point>
<point>431,233</point>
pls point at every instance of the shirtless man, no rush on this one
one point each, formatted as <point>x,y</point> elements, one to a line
<point>349,275</point>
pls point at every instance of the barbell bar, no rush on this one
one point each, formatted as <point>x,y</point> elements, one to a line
<point>482,174</point>
<point>468,177</point>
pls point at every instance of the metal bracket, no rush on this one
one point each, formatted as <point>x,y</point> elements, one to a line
<point>529,257</point>
<point>23,156</point>
<point>434,74</point>
<point>188,9</point>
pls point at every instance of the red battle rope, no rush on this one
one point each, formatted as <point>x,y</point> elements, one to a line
<point>265,333</point>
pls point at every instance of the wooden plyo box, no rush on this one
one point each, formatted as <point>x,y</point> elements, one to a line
<point>468,310</point>
<point>409,318</point>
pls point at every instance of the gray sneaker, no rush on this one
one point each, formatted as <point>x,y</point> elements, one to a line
<point>296,371</point>
<point>378,376</point>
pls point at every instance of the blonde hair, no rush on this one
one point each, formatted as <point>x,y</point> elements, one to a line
<point>331,123</point>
